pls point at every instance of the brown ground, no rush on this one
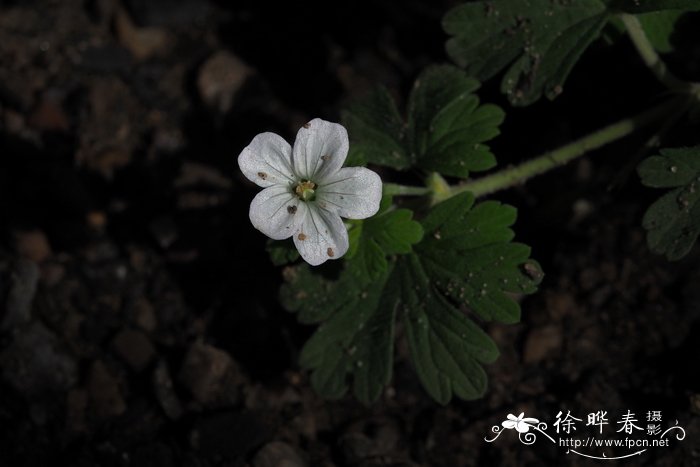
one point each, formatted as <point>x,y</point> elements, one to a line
<point>141,325</point>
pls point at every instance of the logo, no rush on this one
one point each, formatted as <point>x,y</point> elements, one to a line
<point>597,437</point>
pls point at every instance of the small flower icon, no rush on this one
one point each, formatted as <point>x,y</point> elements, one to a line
<point>306,189</point>
<point>522,425</point>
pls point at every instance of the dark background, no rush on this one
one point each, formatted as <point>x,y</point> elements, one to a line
<point>139,322</point>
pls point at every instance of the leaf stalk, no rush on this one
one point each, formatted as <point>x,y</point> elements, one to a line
<point>518,174</point>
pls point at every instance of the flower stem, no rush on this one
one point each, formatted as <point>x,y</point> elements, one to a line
<point>648,54</point>
<point>394,189</point>
<point>550,160</point>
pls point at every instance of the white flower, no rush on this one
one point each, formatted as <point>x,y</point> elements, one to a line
<point>306,189</point>
<point>521,423</point>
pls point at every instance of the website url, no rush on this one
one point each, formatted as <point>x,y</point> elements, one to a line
<point>628,443</point>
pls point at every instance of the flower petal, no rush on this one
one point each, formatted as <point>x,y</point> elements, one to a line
<point>267,161</point>
<point>276,212</point>
<point>508,424</point>
<point>319,150</point>
<point>522,427</point>
<point>353,192</point>
<point>321,236</point>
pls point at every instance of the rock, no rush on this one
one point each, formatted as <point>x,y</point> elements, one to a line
<point>211,375</point>
<point>589,278</point>
<point>355,447</point>
<point>199,200</point>
<point>695,404</point>
<point>96,220</point>
<point>35,364</point>
<point>52,273</point>
<point>111,159</point>
<point>104,393</point>
<point>18,310</point>
<point>167,140</point>
<point>201,186</point>
<point>164,230</point>
<point>144,316</point>
<point>163,387</point>
<point>193,174</point>
<point>32,245</point>
<point>542,342</point>
<point>560,304</point>
<point>278,454</point>
<point>143,43</point>
<point>582,209</point>
<point>49,115</point>
<point>369,439</point>
<point>134,347</point>
<point>220,78</point>
<point>110,128</point>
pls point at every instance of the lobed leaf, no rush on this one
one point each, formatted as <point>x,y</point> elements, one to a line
<point>377,131</point>
<point>539,41</point>
<point>458,264</point>
<point>357,335</point>
<point>447,348</point>
<point>646,6</point>
<point>658,27</point>
<point>357,338</point>
<point>447,124</point>
<point>673,221</point>
<point>444,132</point>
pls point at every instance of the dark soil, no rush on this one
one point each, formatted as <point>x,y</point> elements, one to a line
<point>139,323</point>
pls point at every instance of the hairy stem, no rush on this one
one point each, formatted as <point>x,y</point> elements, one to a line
<point>648,54</point>
<point>550,160</point>
<point>403,190</point>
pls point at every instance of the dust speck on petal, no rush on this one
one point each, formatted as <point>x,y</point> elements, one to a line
<point>330,252</point>
<point>307,125</point>
<point>262,175</point>
<point>301,236</point>
<point>291,209</point>
<point>326,157</point>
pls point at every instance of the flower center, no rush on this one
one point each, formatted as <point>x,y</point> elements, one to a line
<point>306,190</point>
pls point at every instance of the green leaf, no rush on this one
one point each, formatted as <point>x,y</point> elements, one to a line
<point>394,232</point>
<point>463,267</point>
<point>483,264</point>
<point>658,27</point>
<point>445,131</point>
<point>447,348</point>
<point>390,233</point>
<point>673,221</point>
<point>357,336</point>
<point>376,131</point>
<point>281,252</point>
<point>539,40</point>
<point>645,6</point>
<point>354,235</point>
<point>466,261</point>
<point>447,124</point>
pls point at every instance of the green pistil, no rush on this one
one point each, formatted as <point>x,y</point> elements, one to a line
<point>306,190</point>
